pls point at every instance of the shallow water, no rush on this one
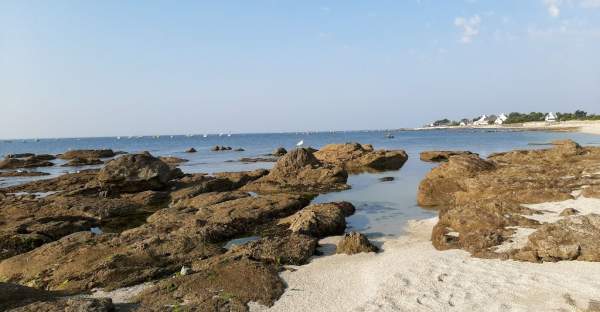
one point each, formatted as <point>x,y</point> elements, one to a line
<point>382,207</point>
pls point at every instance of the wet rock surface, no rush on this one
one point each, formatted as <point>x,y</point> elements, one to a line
<point>79,162</point>
<point>26,162</point>
<point>320,220</point>
<point>361,157</point>
<point>482,203</point>
<point>135,173</point>
<point>22,174</point>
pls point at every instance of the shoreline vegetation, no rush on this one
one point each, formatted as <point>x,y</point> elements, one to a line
<point>140,234</point>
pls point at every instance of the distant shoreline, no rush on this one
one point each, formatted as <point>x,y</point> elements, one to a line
<point>591,127</point>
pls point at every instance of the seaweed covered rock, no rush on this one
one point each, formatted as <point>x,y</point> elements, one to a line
<point>88,154</point>
<point>359,157</point>
<point>441,156</point>
<point>353,243</point>
<point>300,172</point>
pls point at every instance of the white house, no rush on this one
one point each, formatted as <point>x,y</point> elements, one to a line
<point>500,119</point>
<point>483,120</point>
<point>551,117</point>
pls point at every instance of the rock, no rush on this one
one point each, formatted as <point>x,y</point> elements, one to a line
<point>573,238</point>
<point>441,156</point>
<point>441,184</point>
<point>221,286</point>
<point>569,212</point>
<point>357,157</point>
<point>207,199</point>
<point>71,304</point>
<point>217,148</point>
<point>320,220</point>
<point>257,159</point>
<point>22,174</point>
<point>22,155</point>
<point>280,151</point>
<point>300,172</point>
<point>239,150</point>
<point>294,249</point>
<point>239,179</point>
<point>27,162</point>
<point>88,154</point>
<point>78,162</point>
<point>353,243</point>
<point>481,202</point>
<point>148,198</point>
<point>135,173</point>
<point>65,183</point>
<point>14,295</point>
<point>172,161</point>
<point>191,150</point>
<point>386,179</point>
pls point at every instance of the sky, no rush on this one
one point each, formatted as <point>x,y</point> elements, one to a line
<point>103,68</point>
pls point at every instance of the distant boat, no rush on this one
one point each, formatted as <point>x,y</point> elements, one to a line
<point>118,138</point>
<point>389,136</point>
<point>172,137</point>
<point>300,143</point>
<point>205,135</point>
<point>228,134</point>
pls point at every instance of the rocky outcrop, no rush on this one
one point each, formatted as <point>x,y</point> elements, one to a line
<point>191,150</point>
<point>172,161</point>
<point>70,304</point>
<point>79,162</point>
<point>88,154</point>
<point>22,174</point>
<point>320,220</point>
<point>481,203</point>
<point>280,151</point>
<point>300,172</point>
<point>353,243</point>
<point>294,249</point>
<point>135,173</point>
<point>356,157</point>
<point>440,156</point>
<point>26,162</point>
<point>218,148</point>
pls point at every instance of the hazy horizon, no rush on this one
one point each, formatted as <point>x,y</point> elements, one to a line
<point>83,69</point>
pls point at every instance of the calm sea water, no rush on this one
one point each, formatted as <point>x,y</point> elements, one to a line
<point>382,207</point>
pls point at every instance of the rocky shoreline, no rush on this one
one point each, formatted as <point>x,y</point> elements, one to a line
<point>139,219</point>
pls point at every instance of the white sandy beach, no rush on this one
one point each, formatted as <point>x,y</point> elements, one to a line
<point>410,275</point>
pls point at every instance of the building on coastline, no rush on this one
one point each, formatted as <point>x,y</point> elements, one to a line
<point>500,119</point>
<point>551,117</point>
<point>482,121</point>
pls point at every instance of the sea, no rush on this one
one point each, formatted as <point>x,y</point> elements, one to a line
<point>383,208</point>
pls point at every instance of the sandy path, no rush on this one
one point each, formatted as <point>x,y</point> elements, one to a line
<point>410,275</point>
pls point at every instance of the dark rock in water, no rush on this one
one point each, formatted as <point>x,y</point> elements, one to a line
<point>353,243</point>
<point>27,162</point>
<point>22,155</point>
<point>78,162</point>
<point>191,150</point>
<point>386,179</point>
<point>360,157</point>
<point>172,161</point>
<point>280,151</point>
<point>300,172</point>
<point>439,156</point>
<point>257,159</point>
<point>22,174</point>
<point>88,153</point>
<point>14,295</point>
<point>320,220</point>
<point>135,173</point>
<point>217,148</point>
<point>239,150</point>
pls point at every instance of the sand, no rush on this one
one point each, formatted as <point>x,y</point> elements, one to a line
<point>410,275</point>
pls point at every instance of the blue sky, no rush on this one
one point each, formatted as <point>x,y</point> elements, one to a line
<point>83,68</point>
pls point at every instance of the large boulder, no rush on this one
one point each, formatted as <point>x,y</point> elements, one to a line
<point>280,151</point>
<point>353,243</point>
<point>300,172</point>
<point>79,162</point>
<point>440,156</point>
<point>294,249</point>
<point>135,173</point>
<point>320,220</point>
<point>88,153</point>
<point>360,157</point>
